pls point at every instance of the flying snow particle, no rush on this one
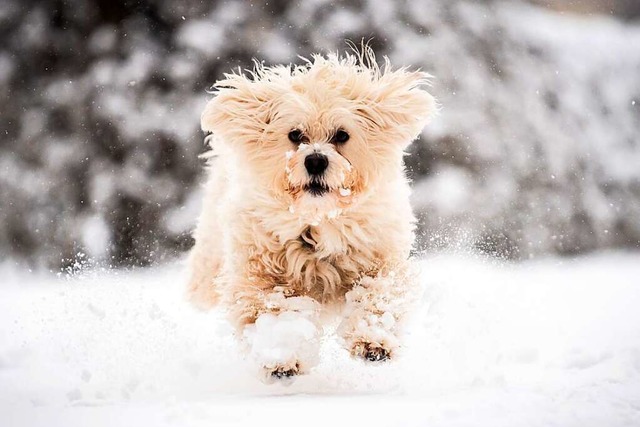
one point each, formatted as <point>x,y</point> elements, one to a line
<point>387,320</point>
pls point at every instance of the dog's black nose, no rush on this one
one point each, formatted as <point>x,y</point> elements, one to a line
<point>316,163</point>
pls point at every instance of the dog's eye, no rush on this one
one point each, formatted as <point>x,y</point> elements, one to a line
<point>341,137</point>
<point>296,136</point>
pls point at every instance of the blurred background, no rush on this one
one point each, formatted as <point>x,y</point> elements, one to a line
<point>536,150</point>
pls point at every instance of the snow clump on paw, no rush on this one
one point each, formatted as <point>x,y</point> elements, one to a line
<point>286,341</point>
<point>372,316</point>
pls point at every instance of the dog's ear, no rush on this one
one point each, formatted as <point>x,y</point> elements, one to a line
<point>398,104</point>
<point>240,108</point>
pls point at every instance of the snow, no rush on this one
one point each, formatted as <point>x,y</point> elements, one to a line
<point>180,219</point>
<point>277,47</point>
<point>7,68</point>
<point>203,36</point>
<point>103,40</point>
<point>94,234</point>
<point>547,342</point>
<point>526,93</point>
<point>450,186</point>
<point>280,341</point>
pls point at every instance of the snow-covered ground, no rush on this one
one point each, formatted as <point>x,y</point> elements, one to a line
<point>540,343</point>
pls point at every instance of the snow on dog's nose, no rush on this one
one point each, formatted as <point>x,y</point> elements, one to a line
<point>320,181</point>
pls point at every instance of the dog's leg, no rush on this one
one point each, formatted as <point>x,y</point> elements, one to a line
<point>205,259</point>
<point>373,313</point>
<point>202,287</point>
<point>284,337</point>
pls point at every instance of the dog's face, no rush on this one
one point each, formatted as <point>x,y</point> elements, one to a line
<point>319,136</point>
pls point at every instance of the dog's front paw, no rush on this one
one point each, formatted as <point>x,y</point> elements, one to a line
<point>283,345</point>
<point>283,374</point>
<point>371,337</point>
<point>371,352</point>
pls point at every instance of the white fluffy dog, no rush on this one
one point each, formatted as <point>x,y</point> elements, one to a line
<point>307,206</point>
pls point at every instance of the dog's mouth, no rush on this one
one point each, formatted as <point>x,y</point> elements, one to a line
<point>316,188</point>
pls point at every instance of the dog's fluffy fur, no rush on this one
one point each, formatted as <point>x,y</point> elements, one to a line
<point>273,251</point>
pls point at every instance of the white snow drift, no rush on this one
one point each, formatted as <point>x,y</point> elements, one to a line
<point>553,342</point>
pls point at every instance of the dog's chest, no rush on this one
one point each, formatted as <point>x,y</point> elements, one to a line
<point>345,235</point>
<point>325,241</point>
<point>345,250</point>
<point>323,260</point>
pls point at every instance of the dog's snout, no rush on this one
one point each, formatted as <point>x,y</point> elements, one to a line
<point>316,163</point>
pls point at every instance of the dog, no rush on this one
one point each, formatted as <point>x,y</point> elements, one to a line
<point>306,206</point>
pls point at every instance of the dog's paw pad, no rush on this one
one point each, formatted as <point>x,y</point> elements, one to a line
<point>282,373</point>
<point>377,354</point>
<point>371,352</point>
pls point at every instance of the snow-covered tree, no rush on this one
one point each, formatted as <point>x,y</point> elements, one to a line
<point>536,148</point>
